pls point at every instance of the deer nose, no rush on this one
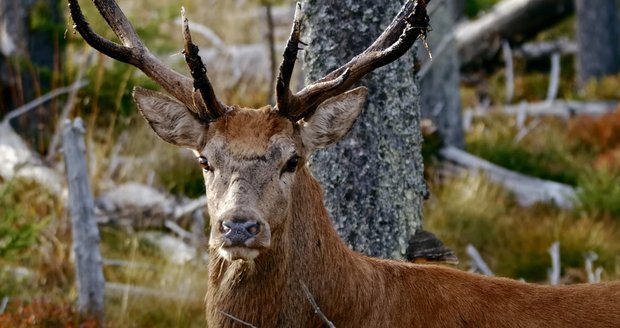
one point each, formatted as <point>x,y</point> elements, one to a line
<point>239,231</point>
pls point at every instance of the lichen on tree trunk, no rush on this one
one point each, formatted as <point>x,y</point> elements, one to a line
<point>372,179</point>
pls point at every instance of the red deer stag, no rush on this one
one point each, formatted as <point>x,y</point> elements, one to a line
<point>276,260</point>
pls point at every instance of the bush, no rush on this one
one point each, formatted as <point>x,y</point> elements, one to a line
<point>599,193</point>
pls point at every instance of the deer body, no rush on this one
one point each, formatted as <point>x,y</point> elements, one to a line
<point>273,248</point>
<point>353,290</point>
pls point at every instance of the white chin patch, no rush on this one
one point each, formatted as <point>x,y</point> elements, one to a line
<point>238,253</point>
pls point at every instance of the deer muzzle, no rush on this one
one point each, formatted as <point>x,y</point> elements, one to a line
<point>237,233</point>
<point>240,237</point>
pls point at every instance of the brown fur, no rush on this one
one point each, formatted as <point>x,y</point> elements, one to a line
<point>247,150</point>
<point>357,291</point>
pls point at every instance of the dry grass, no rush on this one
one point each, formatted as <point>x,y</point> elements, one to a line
<point>513,240</point>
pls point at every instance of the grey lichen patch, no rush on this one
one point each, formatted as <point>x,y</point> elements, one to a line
<point>373,179</point>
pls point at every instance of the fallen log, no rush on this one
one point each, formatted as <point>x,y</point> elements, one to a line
<point>527,190</point>
<point>559,108</point>
<point>515,21</point>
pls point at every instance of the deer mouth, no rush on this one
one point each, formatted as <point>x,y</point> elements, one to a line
<point>234,253</point>
<point>232,247</point>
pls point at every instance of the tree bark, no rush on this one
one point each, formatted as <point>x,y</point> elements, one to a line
<point>373,179</point>
<point>440,100</point>
<point>598,38</point>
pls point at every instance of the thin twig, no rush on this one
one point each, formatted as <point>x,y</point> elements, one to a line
<point>315,306</point>
<point>232,317</point>
<point>41,100</point>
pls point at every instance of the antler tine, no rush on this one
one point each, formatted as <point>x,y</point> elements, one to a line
<point>214,108</point>
<point>411,22</point>
<point>132,51</point>
<point>283,92</point>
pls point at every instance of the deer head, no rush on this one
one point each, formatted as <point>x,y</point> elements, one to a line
<point>251,158</point>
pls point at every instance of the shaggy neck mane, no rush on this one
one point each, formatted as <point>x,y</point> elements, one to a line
<point>353,290</point>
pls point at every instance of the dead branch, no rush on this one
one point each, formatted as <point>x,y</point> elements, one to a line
<point>538,50</point>
<point>43,99</point>
<point>512,20</point>
<point>560,108</point>
<point>528,190</point>
<point>478,262</point>
<point>89,273</point>
<point>184,234</point>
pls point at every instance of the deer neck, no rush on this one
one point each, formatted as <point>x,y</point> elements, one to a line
<point>306,252</point>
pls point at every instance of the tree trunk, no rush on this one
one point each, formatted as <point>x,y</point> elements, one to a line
<point>31,43</point>
<point>373,179</point>
<point>440,101</point>
<point>598,38</point>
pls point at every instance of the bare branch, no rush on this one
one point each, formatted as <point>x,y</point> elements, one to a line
<point>43,99</point>
<point>478,261</point>
<point>315,306</point>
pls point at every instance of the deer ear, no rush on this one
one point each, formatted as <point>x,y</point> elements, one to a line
<point>333,119</point>
<point>170,119</point>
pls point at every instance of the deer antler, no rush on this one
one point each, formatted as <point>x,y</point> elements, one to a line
<point>411,22</point>
<point>132,51</point>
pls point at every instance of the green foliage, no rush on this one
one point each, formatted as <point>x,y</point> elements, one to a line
<point>19,225</point>
<point>181,177</point>
<point>43,16</point>
<point>542,153</point>
<point>605,88</point>
<point>474,7</point>
<point>599,193</point>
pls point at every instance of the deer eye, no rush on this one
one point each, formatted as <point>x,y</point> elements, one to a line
<point>204,163</point>
<point>291,164</point>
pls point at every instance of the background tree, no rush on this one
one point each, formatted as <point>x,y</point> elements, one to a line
<point>31,50</point>
<point>373,179</point>
<point>598,38</point>
<point>439,79</point>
